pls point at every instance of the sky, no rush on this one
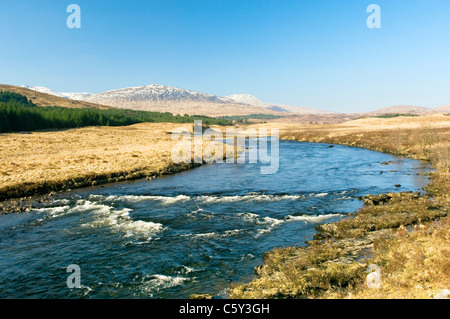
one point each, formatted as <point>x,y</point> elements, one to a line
<point>312,53</point>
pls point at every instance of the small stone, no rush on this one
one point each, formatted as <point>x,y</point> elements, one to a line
<point>200,296</point>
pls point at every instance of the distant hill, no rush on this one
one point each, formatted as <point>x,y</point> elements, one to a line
<point>298,109</point>
<point>443,109</point>
<point>402,109</point>
<point>46,99</point>
<point>251,100</point>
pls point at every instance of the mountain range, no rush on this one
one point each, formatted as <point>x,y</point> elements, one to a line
<point>150,96</point>
<point>161,98</point>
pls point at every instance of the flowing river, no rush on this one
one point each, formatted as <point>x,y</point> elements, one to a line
<point>192,232</point>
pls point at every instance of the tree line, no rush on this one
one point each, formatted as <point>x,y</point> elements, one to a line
<point>17,113</point>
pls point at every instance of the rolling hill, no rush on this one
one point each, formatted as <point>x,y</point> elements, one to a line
<point>402,109</point>
<point>46,99</point>
<point>443,109</point>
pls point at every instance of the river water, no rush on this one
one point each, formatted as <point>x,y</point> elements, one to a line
<point>192,232</point>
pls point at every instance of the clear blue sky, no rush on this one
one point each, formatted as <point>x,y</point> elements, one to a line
<point>313,53</point>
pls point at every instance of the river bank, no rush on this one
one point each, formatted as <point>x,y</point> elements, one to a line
<point>37,165</point>
<point>394,231</point>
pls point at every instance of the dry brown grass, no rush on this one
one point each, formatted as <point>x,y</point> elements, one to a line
<point>414,264</point>
<point>300,272</point>
<point>400,209</point>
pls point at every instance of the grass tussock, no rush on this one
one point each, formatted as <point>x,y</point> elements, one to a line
<point>398,209</point>
<point>301,272</point>
<point>415,263</point>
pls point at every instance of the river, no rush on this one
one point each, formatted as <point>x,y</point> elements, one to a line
<point>192,232</point>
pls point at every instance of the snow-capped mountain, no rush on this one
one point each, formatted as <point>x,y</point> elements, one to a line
<point>162,98</point>
<point>72,96</point>
<point>153,93</point>
<point>42,90</point>
<point>80,96</point>
<point>251,100</point>
<point>246,99</point>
